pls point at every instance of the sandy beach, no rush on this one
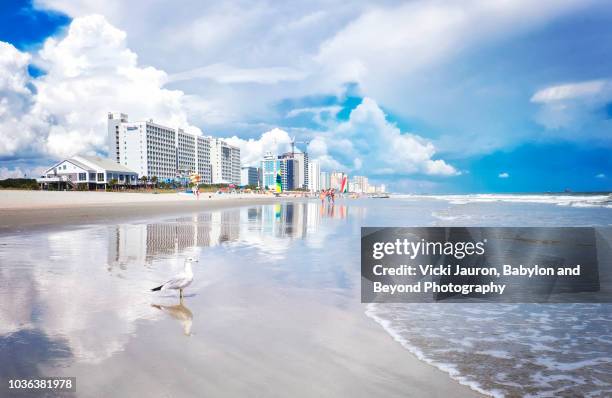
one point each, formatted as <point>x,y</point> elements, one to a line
<point>19,209</point>
<point>328,348</point>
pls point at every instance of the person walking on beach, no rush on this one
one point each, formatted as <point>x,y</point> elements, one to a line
<point>322,195</point>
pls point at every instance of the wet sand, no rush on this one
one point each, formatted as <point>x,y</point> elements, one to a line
<point>27,209</point>
<point>253,331</point>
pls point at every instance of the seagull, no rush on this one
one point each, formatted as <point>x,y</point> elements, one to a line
<point>180,281</point>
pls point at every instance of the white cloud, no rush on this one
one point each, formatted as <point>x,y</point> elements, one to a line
<point>317,150</point>
<point>503,175</point>
<point>18,127</point>
<point>572,91</point>
<point>381,146</point>
<point>222,73</point>
<point>89,72</point>
<point>322,115</point>
<point>253,150</point>
<point>236,63</point>
<point>366,143</point>
<point>600,175</point>
<point>571,104</point>
<point>18,172</point>
<point>394,51</point>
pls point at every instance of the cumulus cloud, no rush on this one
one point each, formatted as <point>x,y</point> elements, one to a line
<point>368,143</point>
<point>503,175</point>
<point>253,150</point>
<point>18,126</point>
<point>89,72</point>
<point>250,58</point>
<point>318,150</point>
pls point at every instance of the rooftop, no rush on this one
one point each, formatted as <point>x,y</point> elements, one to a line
<point>103,163</point>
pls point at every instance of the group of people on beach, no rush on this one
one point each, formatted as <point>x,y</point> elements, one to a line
<point>330,194</point>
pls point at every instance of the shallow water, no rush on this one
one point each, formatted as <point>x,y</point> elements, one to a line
<point>76,301</point>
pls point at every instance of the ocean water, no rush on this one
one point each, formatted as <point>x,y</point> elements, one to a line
<point>512,350</point>
<point>76,301</point>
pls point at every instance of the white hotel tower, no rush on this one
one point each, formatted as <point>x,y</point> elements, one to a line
<point>155,150</point>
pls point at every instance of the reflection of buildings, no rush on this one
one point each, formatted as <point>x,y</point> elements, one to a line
<point>224,226</point>
<point>339,212</point>
<point>141,243</point>
<point>284,220</point>
<point>294,220</point>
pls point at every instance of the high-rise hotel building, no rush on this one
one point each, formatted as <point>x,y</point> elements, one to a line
<point>225,162</point>
<point>155,150</point>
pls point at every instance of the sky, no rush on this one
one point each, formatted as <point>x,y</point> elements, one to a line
<point>423,96</point>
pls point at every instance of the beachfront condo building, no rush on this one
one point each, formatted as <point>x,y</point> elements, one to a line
<point>336,178</point>
<point>298,162</point>
<point>314,176</point>
<point>143,146</point>
<point>185,152</point>
<point>167,153</point>
<point>302,171</point>
<point>225,162</point>
<point>359,184</point>
<point>289,173</point>
<point>204,168</point>
<point>249,176</point>
<point>270,165</point>
<point>325,181</point>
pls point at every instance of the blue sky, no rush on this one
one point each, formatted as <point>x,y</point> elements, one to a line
<point>474,98</point>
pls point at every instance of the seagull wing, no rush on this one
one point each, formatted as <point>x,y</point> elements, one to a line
<point>175,283</point>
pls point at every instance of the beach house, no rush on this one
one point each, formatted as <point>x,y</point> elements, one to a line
<point>87,173</point>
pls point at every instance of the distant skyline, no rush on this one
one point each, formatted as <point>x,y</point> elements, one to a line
<point>422,96</point>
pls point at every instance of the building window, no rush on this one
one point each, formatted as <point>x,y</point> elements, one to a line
<point>82,176</point>
<point>100,176</point>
